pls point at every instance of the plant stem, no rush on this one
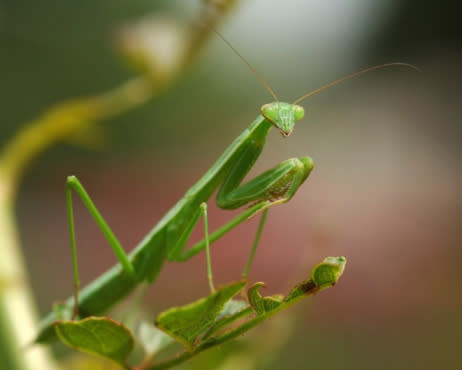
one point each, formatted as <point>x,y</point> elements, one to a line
<point>18,317</point>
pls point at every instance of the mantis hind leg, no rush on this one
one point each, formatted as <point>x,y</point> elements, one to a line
<point>72,183</point>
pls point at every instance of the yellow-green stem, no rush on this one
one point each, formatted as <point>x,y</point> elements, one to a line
<point>18,317</point>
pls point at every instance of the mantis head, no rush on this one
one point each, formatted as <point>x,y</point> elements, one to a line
<point>283,115</point>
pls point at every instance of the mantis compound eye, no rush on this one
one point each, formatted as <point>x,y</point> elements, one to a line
<point>269,111</point>
<point>299,112</point>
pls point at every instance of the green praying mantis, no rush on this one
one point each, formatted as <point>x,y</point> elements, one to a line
<point>168,239</point>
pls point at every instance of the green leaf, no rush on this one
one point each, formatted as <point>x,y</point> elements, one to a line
<point>232,307</point>
<point>323,275</point>
<point>328,271</point>
<point>100,336</point>
<point>187,323</point>
<point>234,310</point>
<point>261,304</point>
<point>255,298</point>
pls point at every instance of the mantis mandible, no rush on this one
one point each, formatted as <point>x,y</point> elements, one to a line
<point>168,239</point>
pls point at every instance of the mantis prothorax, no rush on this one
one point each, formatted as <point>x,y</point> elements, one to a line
<point>168,239</point>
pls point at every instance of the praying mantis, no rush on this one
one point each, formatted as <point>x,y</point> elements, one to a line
<point>168,239</point>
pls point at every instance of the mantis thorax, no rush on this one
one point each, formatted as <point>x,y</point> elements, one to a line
<point>283,115</point>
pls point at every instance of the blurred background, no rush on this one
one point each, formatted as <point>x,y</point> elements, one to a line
<point>385,191</point>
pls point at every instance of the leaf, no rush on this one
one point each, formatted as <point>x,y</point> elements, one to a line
<point>261,304</point>
<point>234,310</point>
<point>187,323</point>
<point>323,275</point>
<point>100,336</point>
<point>152,339</point>
<point>255,298</point>
<point>328,271</point>
<point>232,307</point>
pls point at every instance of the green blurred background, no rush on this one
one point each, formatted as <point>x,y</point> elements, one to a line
<point>385,191</point>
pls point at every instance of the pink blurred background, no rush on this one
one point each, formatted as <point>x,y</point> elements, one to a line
<point>385,191</point>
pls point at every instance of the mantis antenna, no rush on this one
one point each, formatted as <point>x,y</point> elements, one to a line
<point>260,78</point>
<point>273,94</point>
<point>370,69</point>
